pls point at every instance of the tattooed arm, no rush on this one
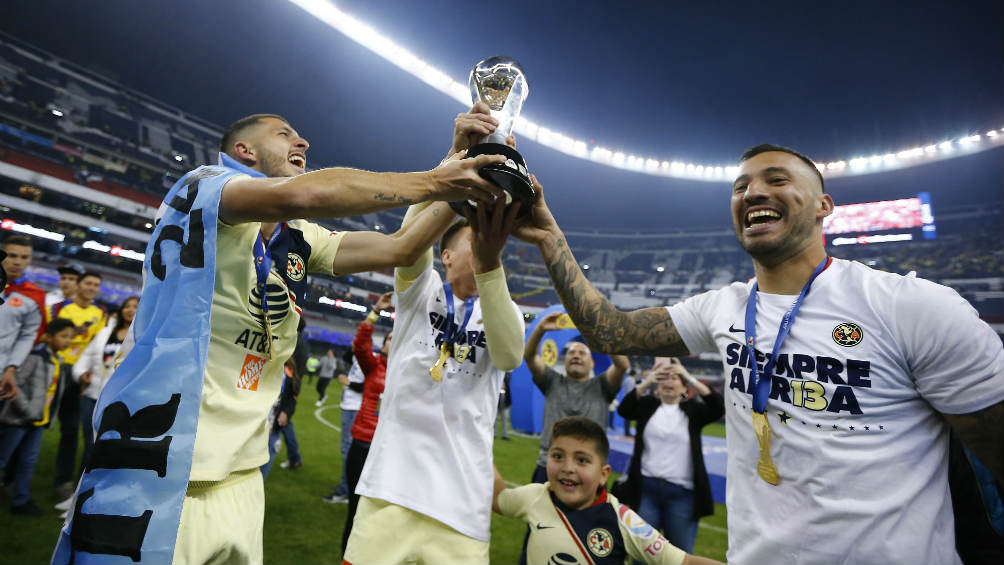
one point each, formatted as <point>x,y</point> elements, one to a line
<point>606,329</point>
<point>982,433</point>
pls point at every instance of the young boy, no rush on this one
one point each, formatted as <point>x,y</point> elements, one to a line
<point>23,419</point>
<point>572,516</point>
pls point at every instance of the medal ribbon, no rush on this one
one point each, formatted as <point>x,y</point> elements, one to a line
<point>262,266</point>
<point>453,332</point>
<point>761,387</point>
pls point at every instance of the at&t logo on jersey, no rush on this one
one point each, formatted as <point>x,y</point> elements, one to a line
<point>278,304</point>
<point>562,559</point>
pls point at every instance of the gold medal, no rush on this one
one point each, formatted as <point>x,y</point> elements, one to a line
<point>765,465</point>
<point>436,372</point>
<point>268,333</point>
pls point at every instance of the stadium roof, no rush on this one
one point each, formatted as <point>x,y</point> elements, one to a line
<point>691,82</point>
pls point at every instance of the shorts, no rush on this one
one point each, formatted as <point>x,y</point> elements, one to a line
<point>387,533</point>
<point>223,521</point>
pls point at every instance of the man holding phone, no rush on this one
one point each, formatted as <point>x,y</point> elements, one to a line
<point>575,393</point>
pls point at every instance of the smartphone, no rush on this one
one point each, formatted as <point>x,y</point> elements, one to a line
<point>565,322</point>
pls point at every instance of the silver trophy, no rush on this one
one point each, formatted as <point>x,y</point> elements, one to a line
<point>500,83</point>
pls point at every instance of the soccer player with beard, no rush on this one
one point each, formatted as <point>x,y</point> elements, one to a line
<point>838,427</point>
<point>254,310</point>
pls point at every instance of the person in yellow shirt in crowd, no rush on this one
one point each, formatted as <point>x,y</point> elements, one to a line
<point>88,318</point>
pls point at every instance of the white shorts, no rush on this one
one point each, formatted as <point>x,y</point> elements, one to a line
<point>385,533</point>
<point>223,521</point>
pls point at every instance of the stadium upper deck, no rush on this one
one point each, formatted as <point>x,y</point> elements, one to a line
<point>107,155</point>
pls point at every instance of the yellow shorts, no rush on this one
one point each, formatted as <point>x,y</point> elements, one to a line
<point>222,521</point>
<point>387,533</point>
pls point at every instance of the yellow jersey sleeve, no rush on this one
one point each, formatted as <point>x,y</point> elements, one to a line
<point>323,246</point>
<point>515,502</point>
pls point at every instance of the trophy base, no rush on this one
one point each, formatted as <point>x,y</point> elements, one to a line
<point>511,176</point>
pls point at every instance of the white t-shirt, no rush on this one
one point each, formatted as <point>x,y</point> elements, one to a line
<point>861,450</point>
<point>352,400</point>
<point>667,447</point>
<point>432,450</point>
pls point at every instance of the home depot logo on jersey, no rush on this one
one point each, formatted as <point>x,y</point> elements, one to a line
<point>250,372</point>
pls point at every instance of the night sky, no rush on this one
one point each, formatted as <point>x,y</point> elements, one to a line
<point>698,82</point>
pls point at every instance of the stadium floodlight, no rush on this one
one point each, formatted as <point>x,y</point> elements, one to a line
<point>407,61</point>
<point>11,225</point>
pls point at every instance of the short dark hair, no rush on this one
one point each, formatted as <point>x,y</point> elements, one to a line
<point>768,147</point>
<point>585,429</point>
<point>58,325</point>
<point>451,232</point>
<point>234,130</point>
<point>69,270</point>
<point>18,239</point>
<point>90,274</point>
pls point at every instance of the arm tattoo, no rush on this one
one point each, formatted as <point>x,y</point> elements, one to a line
<point>982,433</point>
<point>605,328</point>
<point>392,198</point>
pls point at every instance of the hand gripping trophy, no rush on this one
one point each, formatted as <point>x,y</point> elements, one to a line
<point>500,83</point>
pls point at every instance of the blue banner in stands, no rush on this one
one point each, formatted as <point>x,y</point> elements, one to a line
<point>128,502</point>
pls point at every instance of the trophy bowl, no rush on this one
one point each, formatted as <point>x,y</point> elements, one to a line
<point>501,83</point>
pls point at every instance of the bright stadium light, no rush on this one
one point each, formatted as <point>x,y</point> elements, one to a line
<point>409,62</point>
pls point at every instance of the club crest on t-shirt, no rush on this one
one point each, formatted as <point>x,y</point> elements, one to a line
<point>847,334</point>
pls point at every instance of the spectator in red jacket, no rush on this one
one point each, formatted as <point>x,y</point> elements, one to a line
<point>374,368</point>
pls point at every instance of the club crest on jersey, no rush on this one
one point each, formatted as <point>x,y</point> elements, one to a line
<point>295,269</point>
<point>600,542</point>
<point>847,334</point>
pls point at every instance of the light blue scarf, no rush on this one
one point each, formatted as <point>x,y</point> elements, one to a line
<point>128,503</point>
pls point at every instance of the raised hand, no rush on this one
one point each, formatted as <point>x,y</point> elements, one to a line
<point>491,225</point>
<point>384,302</point>
<point>457,179</point>
<point>469,128</point>
<point>539,223</point>
<point>549,323</point>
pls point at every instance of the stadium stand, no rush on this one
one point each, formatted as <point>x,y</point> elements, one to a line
<point>90,160</point>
